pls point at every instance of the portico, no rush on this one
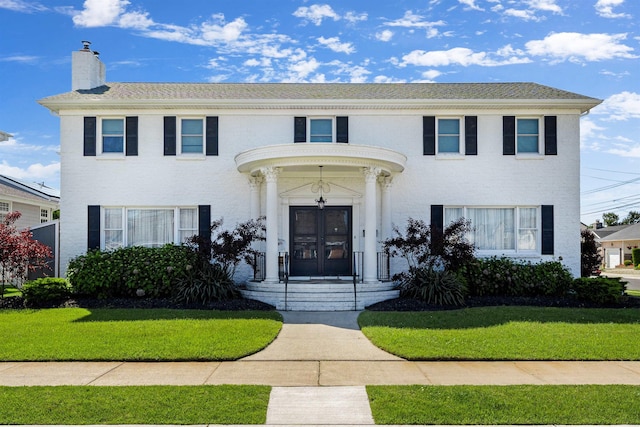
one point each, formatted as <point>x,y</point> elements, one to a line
<point>358,179</point>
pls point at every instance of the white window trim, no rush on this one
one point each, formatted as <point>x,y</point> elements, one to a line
<point>532,155</point>
<point>333,128</point>
<point>4,213</point>
<point>461,138</point>
<point>124,210</point>
<point>48,216</point>
<point>190,156</point>
<point>509,253</point>
<point>100,147</point>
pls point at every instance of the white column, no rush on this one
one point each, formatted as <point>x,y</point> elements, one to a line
<point>386,182</point>
<point>254,185</point>
<point>271,262</point>
<point>370,258</point>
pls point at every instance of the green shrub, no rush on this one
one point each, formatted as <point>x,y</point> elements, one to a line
<point>204,283</point>
<point>45,291</point>
<point>601,290</point>
<point>130,272</point>
<point>627,262</point>
<point>635,256</point>
<point>509,277</point>
<point>439,287</point>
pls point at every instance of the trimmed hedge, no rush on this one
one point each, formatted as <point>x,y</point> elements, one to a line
<point>129,272</point>
<point>601,290</point>
<point>45,290</point>
<point>635,257</point>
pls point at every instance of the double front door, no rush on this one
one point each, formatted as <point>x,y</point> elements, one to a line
<point>320,241</point>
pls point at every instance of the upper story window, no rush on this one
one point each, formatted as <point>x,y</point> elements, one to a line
<point>321,129</point>
<point>448,135</point>
<point>113,136</point>
<point>44,215</point>
<point>527,135</point>
<point>5,208</point>
<point>191,136</point>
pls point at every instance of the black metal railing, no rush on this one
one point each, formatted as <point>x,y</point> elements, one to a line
<point>384,266</point>
<point>259,266</point>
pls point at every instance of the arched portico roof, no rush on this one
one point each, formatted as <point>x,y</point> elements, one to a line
<point>295,156</point>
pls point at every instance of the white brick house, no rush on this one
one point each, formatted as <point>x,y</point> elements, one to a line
<point>150,163</point>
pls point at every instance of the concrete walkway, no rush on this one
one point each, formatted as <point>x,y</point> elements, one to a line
<point>318,367</point>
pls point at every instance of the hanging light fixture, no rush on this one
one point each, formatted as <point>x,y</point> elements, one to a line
<point>321,201</point>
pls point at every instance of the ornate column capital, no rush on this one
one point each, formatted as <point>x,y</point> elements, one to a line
<point>371,173</point>
<point>271,173</point>
<point>255,181</point>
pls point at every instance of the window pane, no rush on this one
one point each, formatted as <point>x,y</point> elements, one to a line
<point>528,218</point>
<point>191,127</point>
<point>112,126</point>
<point>527,126</point>
<point>321,130</point>
<point>112,219</point>
<point>192,144</point>
<point>448,144</point>
<point>528,233</point>
<point>452,214</point>
<point>527,135</point>
<point>112,144</point>
<point>149,227</point>
<point>527,144</point>
<point>188,224</point>
<point>448,127</point>
<point>494,228</point>
<point>112,239</point>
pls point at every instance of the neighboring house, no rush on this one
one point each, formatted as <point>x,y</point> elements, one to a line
<point>36,202</point>
<point>619,244</point>
<point>151,163</point>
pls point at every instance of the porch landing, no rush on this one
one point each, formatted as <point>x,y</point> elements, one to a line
<point>320,294</point>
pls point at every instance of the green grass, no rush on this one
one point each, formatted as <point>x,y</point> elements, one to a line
<point>507,333</point>
<point>134,334</point>
<point>633,293</point>
<point>10,291</point>
<point>134,405</point>
<point>492,405</point>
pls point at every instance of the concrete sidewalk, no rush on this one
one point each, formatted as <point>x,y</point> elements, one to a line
<point>318,367</point>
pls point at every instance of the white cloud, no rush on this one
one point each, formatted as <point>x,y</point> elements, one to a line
<point>136,20</point>
<point>34,172</point>
<point>546,5</point>
<point>384,36</point>
<point>99,13</point>
<point>410,20</point>
<point>301,70</point>
<point>354,17</point>
<point>387,79</point>
<point>626,151</point>
<point>589,133</point>
<point>471,5</point>
<point>335,45</point>
<point>621,106</point>
<point>218,30</point>
<point>604,8</point>
<point>316,13</point>
<point>20,58</point>
<point>431,74</point>
<point>576,47</point>
<point>526,14</point>
<point>22,6</point>
<point>457,56</point>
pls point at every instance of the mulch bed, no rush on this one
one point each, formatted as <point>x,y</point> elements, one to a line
<point>398,304</point>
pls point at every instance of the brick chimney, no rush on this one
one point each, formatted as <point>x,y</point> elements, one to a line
<point>87,71</point>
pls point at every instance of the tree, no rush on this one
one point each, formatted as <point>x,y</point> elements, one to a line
<point>610,218</point>
<point>19,252</point>
<point>590,259</point>
<point>633,217</point>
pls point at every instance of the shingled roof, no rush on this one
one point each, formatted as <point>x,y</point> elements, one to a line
<point>265,92</point>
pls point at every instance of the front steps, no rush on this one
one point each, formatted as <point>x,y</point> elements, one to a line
<point>312,294</point>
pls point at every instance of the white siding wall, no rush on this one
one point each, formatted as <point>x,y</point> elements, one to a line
<point>488,179</point>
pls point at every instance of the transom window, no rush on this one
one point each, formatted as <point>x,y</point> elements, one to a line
<point>150,227</point>
<point>500,229</point>
<point>448,135</point>
<point>320,130</point>
<point>527,135</point>
<point>113,135</point>
<point>191,136</point>
<point>44,215</point>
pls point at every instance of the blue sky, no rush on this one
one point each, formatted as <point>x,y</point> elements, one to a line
<point>591,47</point>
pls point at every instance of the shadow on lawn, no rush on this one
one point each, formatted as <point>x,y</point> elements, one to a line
<point>137,314</point>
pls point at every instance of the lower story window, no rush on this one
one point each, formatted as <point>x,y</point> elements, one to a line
<point>4,210</point>
<point>500,229</point>
<point>150,227</point>
<point>44,215</point>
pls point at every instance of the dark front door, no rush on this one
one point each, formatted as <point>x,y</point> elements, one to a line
<point>320,241</point>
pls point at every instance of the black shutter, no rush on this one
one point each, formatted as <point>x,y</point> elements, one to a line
<point>90,136</point>
<point>212,136</point>
<point>300,129</point>
<point>131,136</point>
<point>170,136</point>
<point>93,227</point>
<point>550,136</point>
<point>471,135</point>
<point>342,129</point>
<point>437,228</point>
<point>547,229</point>
<point>204,229</point>
<point>509,135</point>
<point>429,135</point>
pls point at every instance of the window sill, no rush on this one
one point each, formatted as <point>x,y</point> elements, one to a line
<point>508,254</point>
<point>111,156</point>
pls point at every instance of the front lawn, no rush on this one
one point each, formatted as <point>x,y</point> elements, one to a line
<point>67,334</point>
<point>11,291</point>
<point>516,405</point>
<point>506,333</point>
<point>134,405</point>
